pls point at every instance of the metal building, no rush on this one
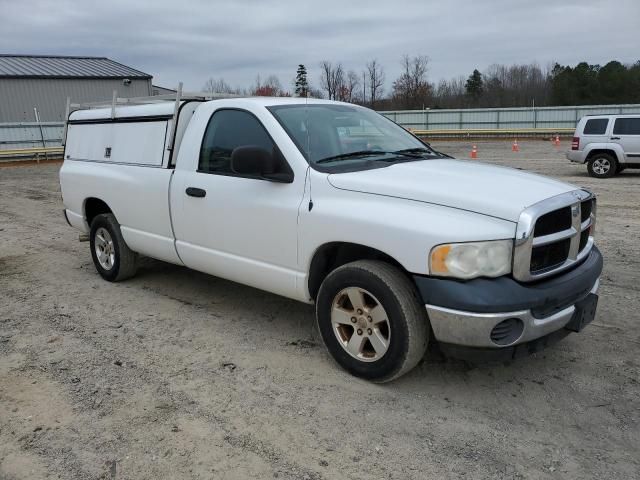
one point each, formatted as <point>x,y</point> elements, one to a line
<point>44,82</point>
<point>158,90</point>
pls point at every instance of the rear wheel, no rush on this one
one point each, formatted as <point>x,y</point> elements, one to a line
<point>602,165</point>
<point>372,320</point>
<point>112,257</point>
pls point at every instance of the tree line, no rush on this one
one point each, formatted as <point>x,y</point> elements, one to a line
<point>516,85</point>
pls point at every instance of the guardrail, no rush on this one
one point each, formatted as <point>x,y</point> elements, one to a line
<point>503,118</point>
<point>24,141</point>
<point>488,133</point>
<point>47,153</point>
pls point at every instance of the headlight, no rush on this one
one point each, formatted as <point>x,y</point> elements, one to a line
<point>471,260</point>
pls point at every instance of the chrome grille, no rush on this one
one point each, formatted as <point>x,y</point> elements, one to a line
<point>552,222</point>
<point>554,235</point>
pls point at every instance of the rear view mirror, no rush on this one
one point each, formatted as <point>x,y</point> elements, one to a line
<point>259,162</point>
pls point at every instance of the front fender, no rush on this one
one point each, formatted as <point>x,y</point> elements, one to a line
<point>405,230</point>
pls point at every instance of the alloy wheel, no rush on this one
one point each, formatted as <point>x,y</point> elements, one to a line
<point>360,323</point>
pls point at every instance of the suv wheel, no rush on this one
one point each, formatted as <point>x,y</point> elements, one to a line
<point>602,165</point>
<point>372,320</point>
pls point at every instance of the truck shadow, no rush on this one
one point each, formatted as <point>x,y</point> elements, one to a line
<point>286,322</point>
<point>220,297</point>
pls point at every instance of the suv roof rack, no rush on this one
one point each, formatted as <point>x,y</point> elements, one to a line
<point>177,97</point>
<point>610,114</point>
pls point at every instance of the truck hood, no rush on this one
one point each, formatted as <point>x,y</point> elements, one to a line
<point>468,185</point>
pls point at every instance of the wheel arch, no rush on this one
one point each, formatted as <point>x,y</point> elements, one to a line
<point>329,256</point>
<point>94,206</point>
<point>607,150</point>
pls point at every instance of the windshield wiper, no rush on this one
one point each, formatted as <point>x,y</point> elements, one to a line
<point>415,150</point>
<point>422,150</point>
<point>364,153</point>
<point>360,153</point>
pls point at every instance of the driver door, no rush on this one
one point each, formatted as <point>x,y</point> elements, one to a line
<point>232,226</point>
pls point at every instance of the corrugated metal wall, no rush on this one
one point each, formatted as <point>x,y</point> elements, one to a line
<point>14,136</point>
<point>502,118</point>
<point>19,96</point>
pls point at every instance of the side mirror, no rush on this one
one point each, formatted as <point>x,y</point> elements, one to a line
<point>259,162</point>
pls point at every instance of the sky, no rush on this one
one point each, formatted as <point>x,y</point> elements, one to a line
<point>193,40</point>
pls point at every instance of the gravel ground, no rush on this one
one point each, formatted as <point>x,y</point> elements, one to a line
<point>175,374</point>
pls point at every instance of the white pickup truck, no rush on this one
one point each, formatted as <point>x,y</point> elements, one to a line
<point>332,204</point>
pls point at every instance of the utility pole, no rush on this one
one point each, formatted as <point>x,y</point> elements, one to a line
<point>364,88</point>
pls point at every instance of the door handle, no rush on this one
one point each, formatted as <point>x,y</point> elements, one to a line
<point>615,138</point>
<point>196,192</point>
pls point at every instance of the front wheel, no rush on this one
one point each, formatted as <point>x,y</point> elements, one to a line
<point>602,165</point>
<point>372,320</point>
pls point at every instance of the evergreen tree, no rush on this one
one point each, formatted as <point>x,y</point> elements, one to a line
<point>302,85</point>
<point>474,86</point>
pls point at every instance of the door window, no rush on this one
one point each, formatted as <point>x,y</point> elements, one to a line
<point>627,126</point>
<point>227,130</point>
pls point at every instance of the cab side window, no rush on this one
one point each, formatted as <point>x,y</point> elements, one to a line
<point>227,130</point>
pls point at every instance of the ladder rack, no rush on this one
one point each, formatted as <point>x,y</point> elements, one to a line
<point>177,97</point>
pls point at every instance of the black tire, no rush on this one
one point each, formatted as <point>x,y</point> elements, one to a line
<point>125,261</point>
<point>602,165</point>
<point>408,325</point>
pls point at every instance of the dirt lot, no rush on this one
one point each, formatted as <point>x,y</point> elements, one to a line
<point>175,374</point>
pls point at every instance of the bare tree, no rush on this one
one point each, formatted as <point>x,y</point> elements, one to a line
<point>450,93</point>
<point>326,77</point>
<point>271,87</point>
<point>273,82</point>
<point>516,85</point>
<point>503,86</point>
<point>411,89</point>
<point>315,92</point>
<point>218,85</point>
<point>375,81</point>
<point>351,85</point>
<point>332,79</point>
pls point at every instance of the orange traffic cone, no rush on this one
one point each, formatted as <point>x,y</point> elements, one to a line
<point>557,141</point>
<point>515,147</point>
<point>474,152</point>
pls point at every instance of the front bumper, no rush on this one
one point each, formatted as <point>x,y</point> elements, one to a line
<point>466,313</point>
<point>474,329</point>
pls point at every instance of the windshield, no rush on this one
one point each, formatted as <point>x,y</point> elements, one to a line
<point>330,134</point>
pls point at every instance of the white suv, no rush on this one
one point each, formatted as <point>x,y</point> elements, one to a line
<point>607,143</point>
